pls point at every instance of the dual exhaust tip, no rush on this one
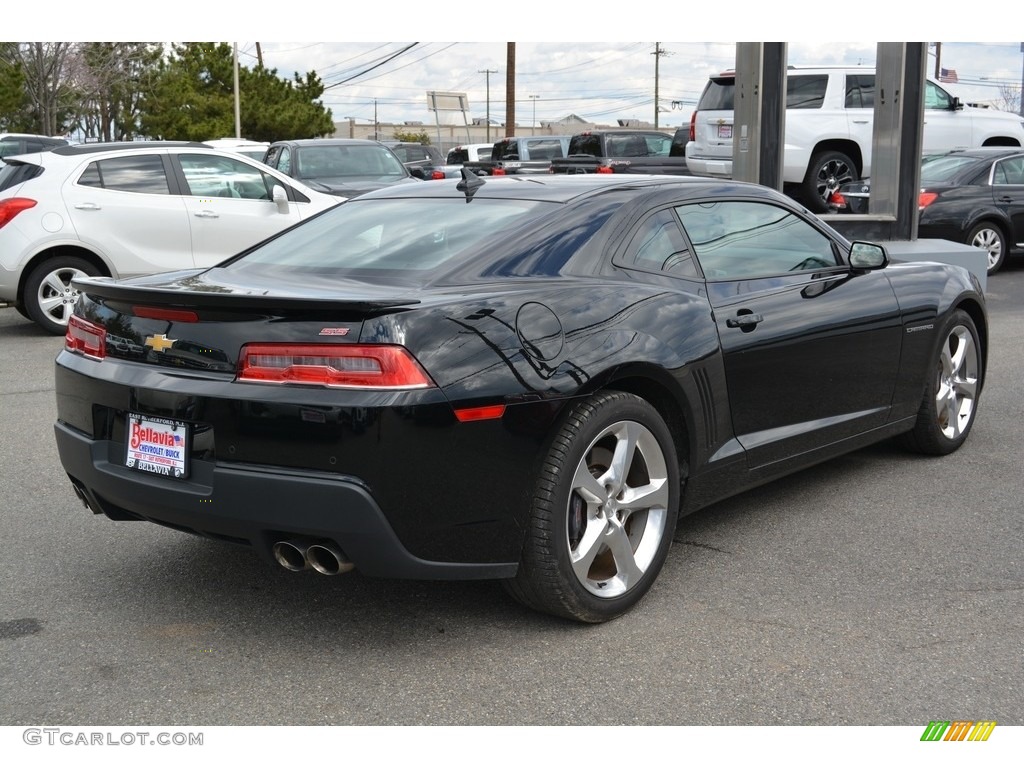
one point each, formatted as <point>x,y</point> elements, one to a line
<point>319,554</point>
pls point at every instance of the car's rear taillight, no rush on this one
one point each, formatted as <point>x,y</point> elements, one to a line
<point>12,206</point>
<point>498,172</point>
<point>925,199</point>
<point>85,338</point>
<point>693,125</point>
<point>837,201</point>
<point>362,366</point>
<point>604,169</point>
<point>436,175</point>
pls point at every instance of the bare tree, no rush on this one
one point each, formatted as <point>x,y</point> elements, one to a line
<point>51,92</point>
<point>1009,98</point>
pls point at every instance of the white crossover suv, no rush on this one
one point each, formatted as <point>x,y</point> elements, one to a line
<point>134,208</point>
<point>828,133</point>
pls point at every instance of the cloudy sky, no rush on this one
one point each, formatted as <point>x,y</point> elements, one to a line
<point>600,81</point>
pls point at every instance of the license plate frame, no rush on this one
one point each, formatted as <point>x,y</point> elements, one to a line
<point>157,446</point>
<point>725,131</point>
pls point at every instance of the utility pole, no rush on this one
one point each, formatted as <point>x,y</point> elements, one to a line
<point>510,89</point>
<point>938,60</point>
<point>533,124</point>
<point>259,56</point>
<point>488,72</point>
<point>658,53</point>
<point>238,111</point>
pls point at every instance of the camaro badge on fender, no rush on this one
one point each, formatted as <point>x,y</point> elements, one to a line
<point>159,343</point>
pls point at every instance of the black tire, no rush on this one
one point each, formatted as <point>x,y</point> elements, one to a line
<point>827,171</point>
<point>48,297</point>
<point>990,238</point>
<point>950,400</point>
<point>618,549</point>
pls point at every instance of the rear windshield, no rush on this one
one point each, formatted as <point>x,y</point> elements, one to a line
<point>391,236</point>
<point>937,168</point>
<point>339,161</point>
<point>802,92</point>
<point>13,173</point>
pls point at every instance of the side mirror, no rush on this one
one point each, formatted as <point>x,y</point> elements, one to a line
<point>281,198</point>
<point>956,105</point>
<point>868,256</point>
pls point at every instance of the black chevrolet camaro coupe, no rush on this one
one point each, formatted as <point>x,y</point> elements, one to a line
<point>525,379</point>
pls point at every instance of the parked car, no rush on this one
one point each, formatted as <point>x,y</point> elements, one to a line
<point>973,196</point>
<point>621,151</point>
<point>254,150</point>
<point>133,208</point>
<point>828,128</point>
<point>20,143</point>
<point>520,155</point>
<point>469,153</point>
<point>420,159</point>
<point>346,167</point>
<point>506,379</point>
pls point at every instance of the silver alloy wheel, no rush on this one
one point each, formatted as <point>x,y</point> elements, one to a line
<point>957,389</point>
<point>992,242</point>
<point>832,175</point>
<point>55,297</point>
<point>617,509</point>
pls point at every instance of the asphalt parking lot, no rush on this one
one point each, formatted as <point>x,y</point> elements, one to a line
<point>879,589</point>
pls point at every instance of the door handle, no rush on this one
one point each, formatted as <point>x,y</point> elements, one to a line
<point>207,215</point>
<point>87,207</point>
<point>745,322</point>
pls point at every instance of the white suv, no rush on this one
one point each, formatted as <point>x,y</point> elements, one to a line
<point>126,209</point>
<point>829,115</point>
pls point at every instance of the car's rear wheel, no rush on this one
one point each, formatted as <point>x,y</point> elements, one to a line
<point>49,297</point>
<point>603,513</point>
<point>990,238</point>
<point>827,171</point>
<point>950,400</point>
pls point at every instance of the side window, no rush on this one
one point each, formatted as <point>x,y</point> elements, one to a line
<point>213,176</point>
<point>1009,171</point>
<point>284,161</point>
<point>544,149</point>
<point>860,91</point>
<point>935,97</point>
<point>658,246</point>
<point>136,173</point>
<point>805,91</point>
<point>658,146</point>
<point>742,240</point>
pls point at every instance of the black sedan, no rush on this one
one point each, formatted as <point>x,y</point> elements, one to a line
<point>973,196</point>
<point>523,378</point>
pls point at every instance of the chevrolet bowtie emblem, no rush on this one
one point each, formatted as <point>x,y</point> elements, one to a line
<point>159,343</point>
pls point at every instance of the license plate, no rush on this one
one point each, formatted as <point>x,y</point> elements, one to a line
<point>158,446</point>
<point>724,131</point>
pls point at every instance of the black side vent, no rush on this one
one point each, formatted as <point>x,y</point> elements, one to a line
<point>707,406</point>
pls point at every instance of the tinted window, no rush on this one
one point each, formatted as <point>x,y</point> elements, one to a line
<point>212,176</point>
<point>544,149</point>
<point>718,94</point>
<point>734,240</point>
<point>338,161</point>
<point>585,144</point>
<point>860,91</point>
<point>137,173</point>
<point>458,156</point>
<point>658,246</point>
<point>390,235</point>
<point>805,91</point>
<point>945,167</point>
<point>14,173</point>
<point>505,150</point>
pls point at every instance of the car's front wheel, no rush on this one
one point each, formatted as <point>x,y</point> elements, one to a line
<point>49,297</point>
<point>604,511</point>
<point>990,238</point>
<point>950,401</point>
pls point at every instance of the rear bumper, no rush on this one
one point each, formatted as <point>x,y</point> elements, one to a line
<point>254,506</point>
<point>704,166</point>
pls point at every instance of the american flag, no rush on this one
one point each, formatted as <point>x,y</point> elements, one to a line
<point>947,76</point>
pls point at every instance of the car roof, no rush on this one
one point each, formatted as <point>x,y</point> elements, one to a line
<point>561,188</point>
<point>125,146</point>
<point>325,142</point>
